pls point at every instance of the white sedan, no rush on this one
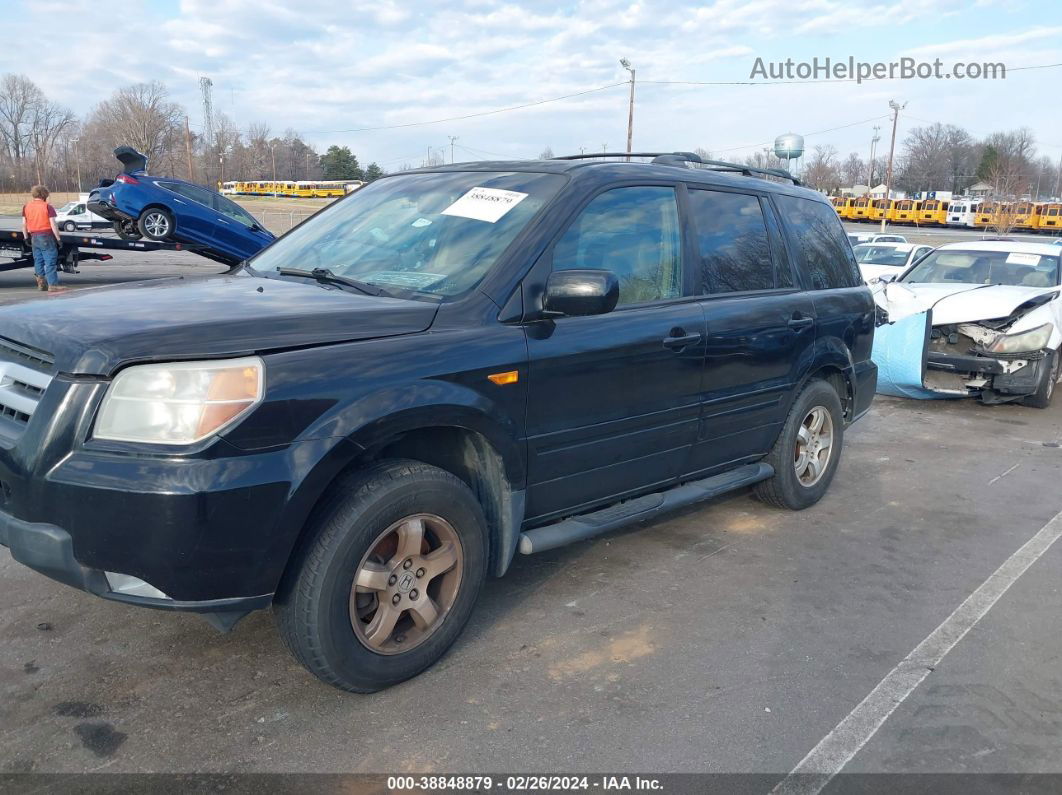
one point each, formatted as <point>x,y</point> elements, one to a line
<point>887,259</point>
<point>973,320</point>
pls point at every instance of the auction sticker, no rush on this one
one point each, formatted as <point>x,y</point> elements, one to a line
<point>485,204</point>
<point>1020,258</point>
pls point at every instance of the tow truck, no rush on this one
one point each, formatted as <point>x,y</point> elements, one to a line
<point>75,248</point>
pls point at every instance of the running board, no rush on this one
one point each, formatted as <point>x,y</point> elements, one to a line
<point>589,525</point>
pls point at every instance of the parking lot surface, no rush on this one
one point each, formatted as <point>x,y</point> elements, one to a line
<point>730,637</point>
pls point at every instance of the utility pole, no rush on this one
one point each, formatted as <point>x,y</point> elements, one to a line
<point>77,164</point>
<point>452,139</point>
<point>1058,179</point>
<point>273,157</point>
<point>873,146</point>
<point>892,150</point>
<point>630,108</point>
<point>187,149</point>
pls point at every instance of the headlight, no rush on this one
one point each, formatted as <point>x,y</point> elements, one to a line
<point>1023,342</point>
<point>180,402</point>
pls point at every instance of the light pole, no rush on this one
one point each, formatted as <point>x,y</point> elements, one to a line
<point>873,146</point>
<point>452,139</point>
<point>892,150</point>
<point>77,164</point>
<point>630,110</point>
<point>273,157</point>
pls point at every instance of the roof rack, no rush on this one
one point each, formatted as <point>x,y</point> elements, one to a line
<point>683,158</point>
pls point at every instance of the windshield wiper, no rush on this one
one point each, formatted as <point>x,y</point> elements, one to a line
<point>325,276</point>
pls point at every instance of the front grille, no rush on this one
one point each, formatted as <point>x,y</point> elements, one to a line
<point>22,384</point>
<point>9,349</point>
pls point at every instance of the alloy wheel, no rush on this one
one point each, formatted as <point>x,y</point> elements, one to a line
<point>406,583</point>
<point>814,446</point>
<point>157,224</point>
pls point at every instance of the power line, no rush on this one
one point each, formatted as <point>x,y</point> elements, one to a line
<point>807,135</point>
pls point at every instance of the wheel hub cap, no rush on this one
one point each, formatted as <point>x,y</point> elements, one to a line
<point>406,584</point>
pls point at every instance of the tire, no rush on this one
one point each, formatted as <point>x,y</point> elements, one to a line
<point>329,627</point>
<point>792,487</point>
<point>126,230</point>
<point>1041,398</point>
<point>70,226</point>
<point>156,223</point>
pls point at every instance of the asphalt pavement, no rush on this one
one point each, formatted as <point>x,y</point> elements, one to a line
<point>730,637</point>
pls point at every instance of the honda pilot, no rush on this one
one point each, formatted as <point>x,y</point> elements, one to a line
<point>445,368</point>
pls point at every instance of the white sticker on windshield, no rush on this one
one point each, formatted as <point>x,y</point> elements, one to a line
<point>485,204</point>
<point>1017,258</point>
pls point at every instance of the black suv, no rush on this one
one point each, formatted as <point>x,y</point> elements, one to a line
<point>444,367</point>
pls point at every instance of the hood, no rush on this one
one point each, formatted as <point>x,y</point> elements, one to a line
<point>93,332</point>
<point>955,303</point>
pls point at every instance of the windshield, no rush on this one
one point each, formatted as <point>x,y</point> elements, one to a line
<point>958,266</point>
<point>67,208</point>
<point>879,255</point>
<point>436,233</point>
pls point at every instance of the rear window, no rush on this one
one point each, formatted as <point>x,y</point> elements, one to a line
<point>732,241</point>
<point>821,247</point>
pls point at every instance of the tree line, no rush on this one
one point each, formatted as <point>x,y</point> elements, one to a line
<point>42,142</point>
<point>943,157</point>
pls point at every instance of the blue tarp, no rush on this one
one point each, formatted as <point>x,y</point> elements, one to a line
<point>899,351</point>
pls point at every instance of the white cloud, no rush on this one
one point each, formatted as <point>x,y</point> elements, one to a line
<point>319,65</point>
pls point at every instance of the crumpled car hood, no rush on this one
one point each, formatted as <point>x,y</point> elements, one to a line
<point>954,303</point>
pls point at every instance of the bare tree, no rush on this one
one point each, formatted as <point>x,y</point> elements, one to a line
<point>853,170</point>
<point>20,99</point>
<point>821,171</point>
<point>547,154</point>
<point>142,116</point>
<point>50,121</point>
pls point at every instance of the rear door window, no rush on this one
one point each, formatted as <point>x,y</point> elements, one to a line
<point>819,239</point>
<point>734,253</point>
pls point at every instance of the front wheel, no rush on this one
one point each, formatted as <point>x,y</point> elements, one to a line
<point>155,223</point>
<point>1041,398</point>
<point>388,579</point>
<point>70,226</point>
<point>808,450</point>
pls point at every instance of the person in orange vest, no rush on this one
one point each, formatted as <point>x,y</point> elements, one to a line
<point>39,227</point>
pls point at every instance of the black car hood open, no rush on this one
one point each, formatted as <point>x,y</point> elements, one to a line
<point>96,331</point>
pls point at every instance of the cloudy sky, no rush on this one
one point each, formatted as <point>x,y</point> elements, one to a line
<point>332,68</point>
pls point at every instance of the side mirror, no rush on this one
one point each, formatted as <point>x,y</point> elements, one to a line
<point>580,292</point>
<point>886,277</point>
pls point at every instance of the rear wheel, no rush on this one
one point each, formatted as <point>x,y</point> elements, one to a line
<point>389,578</point>
<point>156,223</point>
<point>807,451</point>
<point>1041,398</point>
<point>127,230</point>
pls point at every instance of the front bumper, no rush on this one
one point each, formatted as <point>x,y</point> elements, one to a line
<point>49,550</point>
<point>1002,379</point>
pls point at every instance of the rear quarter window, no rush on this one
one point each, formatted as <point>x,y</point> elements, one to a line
<point>822,249</point>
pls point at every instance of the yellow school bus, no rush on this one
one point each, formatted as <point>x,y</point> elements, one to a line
<point>905,211</point>
<point>990,213</point>
<point>883,208</point>
<point>861,208</point>
<point>1051,217</point>
<point>934,212</point>
<point>1027,215</point>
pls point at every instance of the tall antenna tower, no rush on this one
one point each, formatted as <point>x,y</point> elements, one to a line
<point>206,86</point>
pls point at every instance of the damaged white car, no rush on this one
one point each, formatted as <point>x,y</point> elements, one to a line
<point>973,320</point>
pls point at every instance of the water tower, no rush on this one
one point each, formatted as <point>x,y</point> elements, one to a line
<point>789,147</point>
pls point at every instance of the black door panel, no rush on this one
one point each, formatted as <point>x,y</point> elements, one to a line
<point>611,408</point>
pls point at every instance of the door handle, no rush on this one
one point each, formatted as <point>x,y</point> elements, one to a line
<point>800,322</point>
<point>676,343</point>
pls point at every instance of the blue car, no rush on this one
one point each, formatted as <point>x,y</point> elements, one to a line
<point>168,209</point>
